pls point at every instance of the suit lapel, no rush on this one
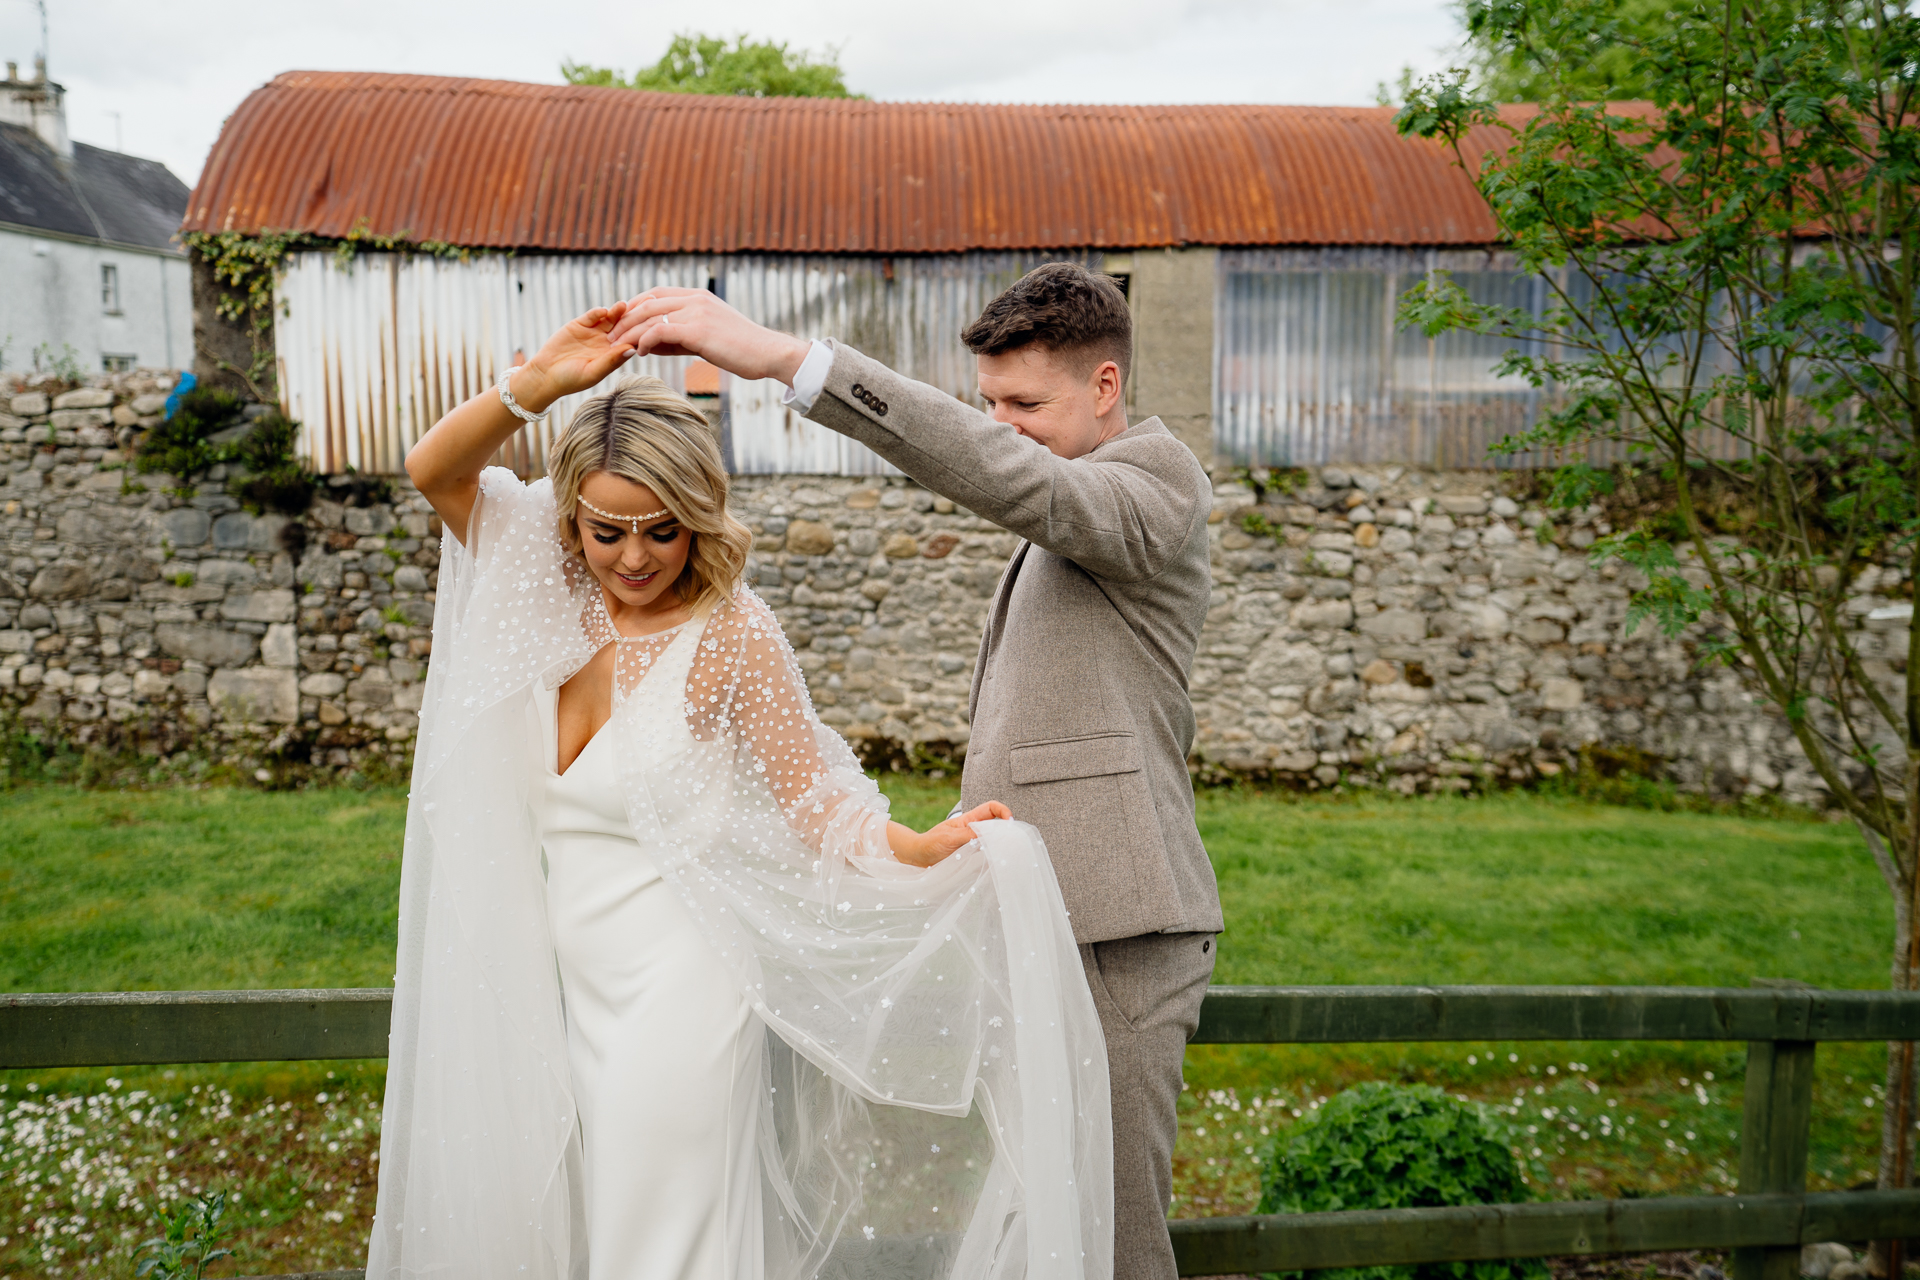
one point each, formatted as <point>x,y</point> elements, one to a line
<point>996,622</point>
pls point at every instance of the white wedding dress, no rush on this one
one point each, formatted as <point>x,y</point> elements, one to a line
<point>665,1053</point>
<point>677,1014</point>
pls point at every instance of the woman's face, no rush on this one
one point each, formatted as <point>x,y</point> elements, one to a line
<point>637,568</point>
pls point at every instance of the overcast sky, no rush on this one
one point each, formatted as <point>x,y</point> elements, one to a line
<point>174,69</point>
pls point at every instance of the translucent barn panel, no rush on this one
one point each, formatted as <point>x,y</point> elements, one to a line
<point>1310,367</point>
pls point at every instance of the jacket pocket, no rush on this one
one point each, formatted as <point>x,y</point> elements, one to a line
<point>1058,759</point>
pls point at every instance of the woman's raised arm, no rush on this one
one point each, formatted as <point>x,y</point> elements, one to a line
<point>447,462</point>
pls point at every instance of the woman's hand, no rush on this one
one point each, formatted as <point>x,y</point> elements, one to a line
<point>918,850</point>
<point>578,356</point>
<point>446,462</point>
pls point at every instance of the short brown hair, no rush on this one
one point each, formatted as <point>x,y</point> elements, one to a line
<point>645,431</point>
<point>1064,308</point>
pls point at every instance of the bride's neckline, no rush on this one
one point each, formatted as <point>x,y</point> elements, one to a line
<point>606,618</point>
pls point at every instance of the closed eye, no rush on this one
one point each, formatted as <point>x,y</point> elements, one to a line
<point>661,534</point>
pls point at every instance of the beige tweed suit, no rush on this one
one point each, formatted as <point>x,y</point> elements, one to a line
<point>1081,722</point>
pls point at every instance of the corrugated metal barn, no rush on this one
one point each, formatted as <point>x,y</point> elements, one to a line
<point>1263,248</point>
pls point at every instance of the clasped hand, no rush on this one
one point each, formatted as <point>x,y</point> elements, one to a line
<point>693,322</point>
<point>663,322</point>
<point>923,850</point>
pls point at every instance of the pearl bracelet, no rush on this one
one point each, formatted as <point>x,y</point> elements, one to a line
<point>513,406</point>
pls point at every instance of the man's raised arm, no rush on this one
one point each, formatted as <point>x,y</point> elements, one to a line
<point>1117,519</point>
<point>1120,519</point>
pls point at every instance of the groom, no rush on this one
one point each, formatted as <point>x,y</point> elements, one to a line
<point>1080,717</point>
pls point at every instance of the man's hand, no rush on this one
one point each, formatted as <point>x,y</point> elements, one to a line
<point>941,841</point>
<point>692,322</point>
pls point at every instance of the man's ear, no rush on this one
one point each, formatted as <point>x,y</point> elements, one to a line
<point>1108,387</point>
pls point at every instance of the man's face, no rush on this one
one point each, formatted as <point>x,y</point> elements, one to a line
<point>1040,395</point>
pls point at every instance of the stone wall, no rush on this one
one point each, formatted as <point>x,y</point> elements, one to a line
<point>1418,630</point>
<point>135,615</point>
<point>1412,629</point>
<point>1431,632</point>
<point>1172,294</point>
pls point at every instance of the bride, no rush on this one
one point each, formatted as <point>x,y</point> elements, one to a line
<point>675,999</point>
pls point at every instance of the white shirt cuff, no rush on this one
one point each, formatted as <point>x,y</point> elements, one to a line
<point>811,380</point>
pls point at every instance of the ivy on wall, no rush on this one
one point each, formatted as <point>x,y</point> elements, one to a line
<point>246,264</point>
<point>209,428</point>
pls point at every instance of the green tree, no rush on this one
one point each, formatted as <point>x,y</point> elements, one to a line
<point>1598,57</point>
<point>1734,275</point>
<point>746,68</point>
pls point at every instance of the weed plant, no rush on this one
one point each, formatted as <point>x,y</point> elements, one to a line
<point>189,1240</point>
<point>194,439</point>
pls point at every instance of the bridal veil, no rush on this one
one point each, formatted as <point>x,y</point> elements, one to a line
<point>935,1103</point>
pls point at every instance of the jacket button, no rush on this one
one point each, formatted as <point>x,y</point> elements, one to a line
<point>881,408</point>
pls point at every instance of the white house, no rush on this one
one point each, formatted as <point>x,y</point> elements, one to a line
<point>89,267</point>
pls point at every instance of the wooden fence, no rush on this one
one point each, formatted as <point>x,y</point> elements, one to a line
<point>1765,1223</point>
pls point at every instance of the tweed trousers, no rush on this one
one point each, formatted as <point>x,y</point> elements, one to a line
<point>1148,991</point>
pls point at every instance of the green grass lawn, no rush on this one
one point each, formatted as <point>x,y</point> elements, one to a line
<point>1517,889</point>
<point>160,890</point>
<point>233,888</point>
<point>121,891</point>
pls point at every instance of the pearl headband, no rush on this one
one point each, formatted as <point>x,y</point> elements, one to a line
<point>634,521</point>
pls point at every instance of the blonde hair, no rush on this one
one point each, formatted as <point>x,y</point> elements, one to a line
<point>646,432</point>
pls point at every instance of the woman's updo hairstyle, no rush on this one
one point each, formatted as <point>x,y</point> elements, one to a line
<point>646,432</point>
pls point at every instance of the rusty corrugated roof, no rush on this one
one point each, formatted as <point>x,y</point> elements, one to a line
<point>500,164</point>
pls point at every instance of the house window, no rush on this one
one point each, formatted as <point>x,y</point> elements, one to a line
<point>116,364</point>
<point>110,288</point>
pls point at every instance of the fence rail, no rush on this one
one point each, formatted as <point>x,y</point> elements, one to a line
<point>1765,1224</point>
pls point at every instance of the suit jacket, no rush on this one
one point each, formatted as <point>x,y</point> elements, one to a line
<point>1081,722</point>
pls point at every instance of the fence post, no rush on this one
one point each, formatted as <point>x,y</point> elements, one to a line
<point>1777,1112</point>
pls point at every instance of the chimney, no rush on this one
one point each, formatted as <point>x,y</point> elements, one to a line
<point>38,104</point>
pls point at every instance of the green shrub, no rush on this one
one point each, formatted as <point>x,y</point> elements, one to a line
<point>1627,776</point>
<point>1390,1146</point>
<point>184,445</point>
<point>275,479</point>
<point>209,428</point>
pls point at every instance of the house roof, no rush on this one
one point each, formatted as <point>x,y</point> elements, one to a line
<point>97,195</point>
<point>500,164</point>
